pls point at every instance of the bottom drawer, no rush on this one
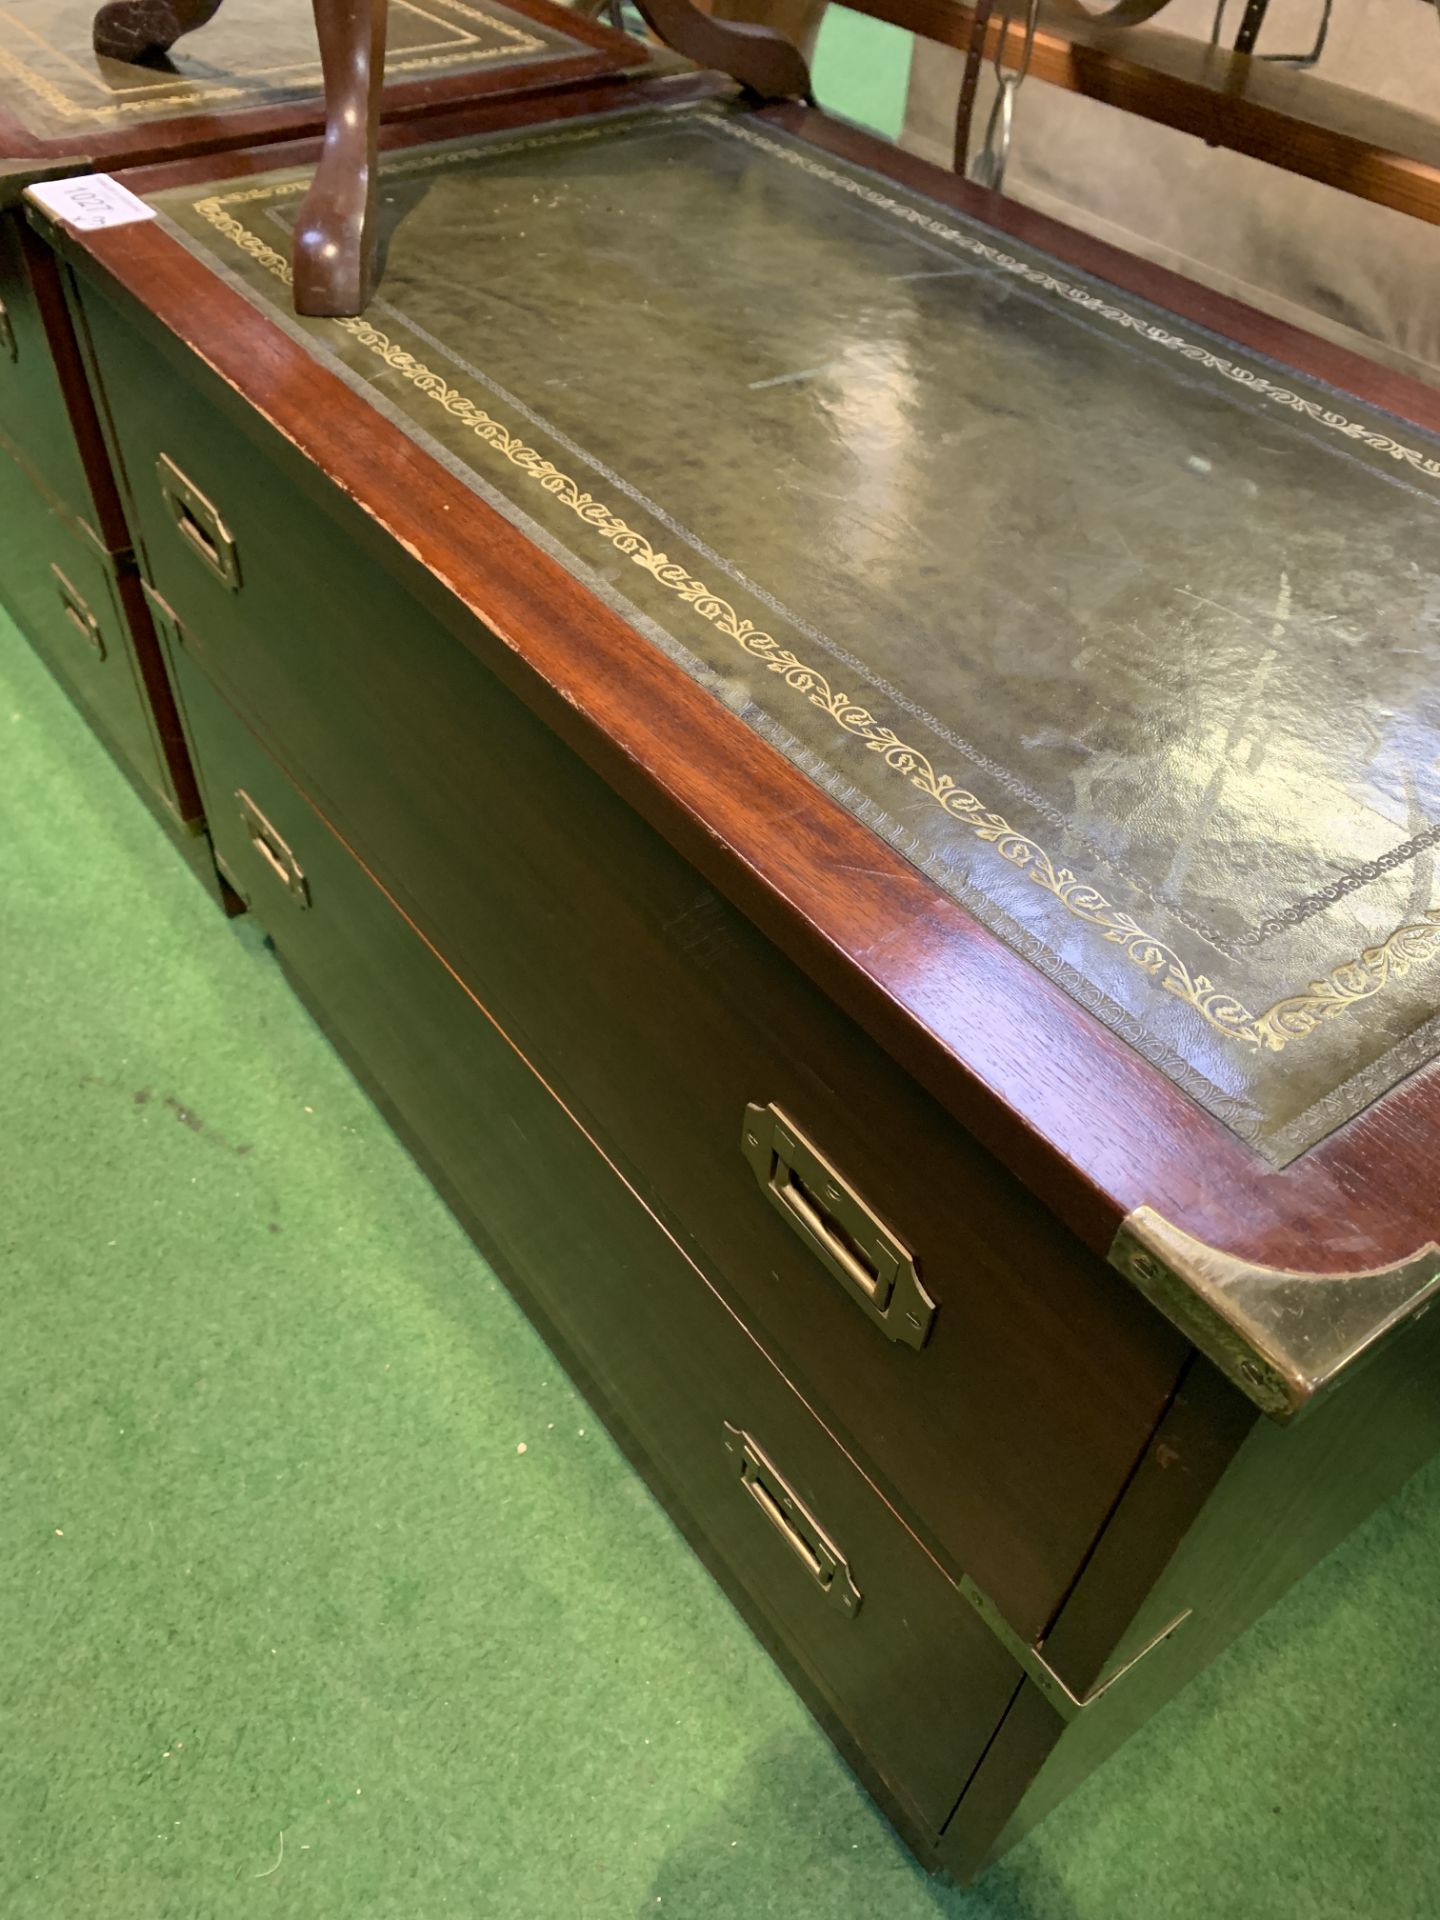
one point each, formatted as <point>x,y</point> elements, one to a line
<point>67,599</point>
<point>854,1603</point>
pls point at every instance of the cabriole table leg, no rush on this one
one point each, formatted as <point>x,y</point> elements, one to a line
<point>334,254</point>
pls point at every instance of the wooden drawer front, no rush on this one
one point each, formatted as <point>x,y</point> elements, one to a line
<point>912,1674</point>
<point>663,1014</point>
<point>34,421</point>
<point>66,599</point>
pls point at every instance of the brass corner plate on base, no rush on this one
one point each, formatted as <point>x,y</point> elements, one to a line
<point>1283,1337</point>
<point>1037,1668</point>
<point>817,1553</point>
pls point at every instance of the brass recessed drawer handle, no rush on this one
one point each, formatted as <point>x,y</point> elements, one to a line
<point>794,1522</point>
<point>9,345</point>
<point>198,522</point>
<point>833,1221</point>
<point>78,613</point>
<point>273,850</point>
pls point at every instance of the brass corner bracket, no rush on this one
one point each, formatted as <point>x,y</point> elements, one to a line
<point>1283,1337</point>
<point>1037,1669</point>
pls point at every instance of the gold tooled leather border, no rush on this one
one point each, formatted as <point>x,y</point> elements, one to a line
<point>1295,1015</point>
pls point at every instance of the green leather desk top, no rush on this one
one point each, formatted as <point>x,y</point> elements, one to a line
<point>253,53</point>
<point>1126,638</point>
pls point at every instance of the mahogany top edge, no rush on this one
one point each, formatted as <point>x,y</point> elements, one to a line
<point>1088,1125</point>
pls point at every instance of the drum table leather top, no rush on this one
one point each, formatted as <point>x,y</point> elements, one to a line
<point>254,53</point>
<point>1126,637</point>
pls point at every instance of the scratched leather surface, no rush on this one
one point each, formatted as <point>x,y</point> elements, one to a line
<point>253,52</point>
<point>1125,637</point>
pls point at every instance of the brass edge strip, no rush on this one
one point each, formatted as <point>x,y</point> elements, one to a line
<point>1293,1017</point>
<point>1038,1669</point>
<point>1282,1336</point>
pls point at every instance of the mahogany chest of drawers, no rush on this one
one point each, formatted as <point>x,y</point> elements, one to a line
<point>857,788</point>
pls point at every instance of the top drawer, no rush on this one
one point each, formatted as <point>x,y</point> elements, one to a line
<point>665,1017</point>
